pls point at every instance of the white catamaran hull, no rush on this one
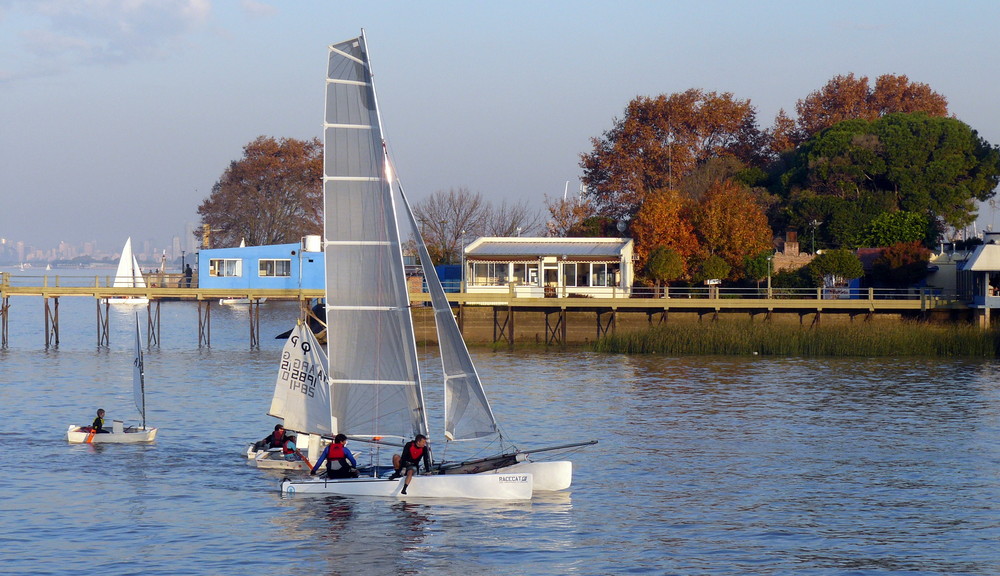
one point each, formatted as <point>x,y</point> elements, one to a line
<point>547,476</point>
<point>478,486</point>
<point>78,435</point>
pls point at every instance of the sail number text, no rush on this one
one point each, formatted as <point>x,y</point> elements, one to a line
<point>300,375</point>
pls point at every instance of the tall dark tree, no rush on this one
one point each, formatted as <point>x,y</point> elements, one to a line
<point>852,172</point>
<point>272,195</point>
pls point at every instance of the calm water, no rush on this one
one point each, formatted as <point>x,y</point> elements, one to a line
<point>705,465</point>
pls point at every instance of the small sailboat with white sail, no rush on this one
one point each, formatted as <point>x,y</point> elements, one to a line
<point>120,434</point>
<point>374,377</point>
<point>301,400</point>
<point>128,275</point>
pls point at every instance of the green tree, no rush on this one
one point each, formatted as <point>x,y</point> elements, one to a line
<point>272,195</point>
<point>664,266</point>
<point>893,227</point>
<point>712,268</point>
<point>840,263</point>
<point>850,173</point>
<point>758,267</point>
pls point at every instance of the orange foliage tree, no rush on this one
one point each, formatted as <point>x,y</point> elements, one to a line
<point>663,221</point>
<point>662,139</point>
<point>732,225</point>
<point>849,97</point>
<point>273,195</point>
<point>567,213</point>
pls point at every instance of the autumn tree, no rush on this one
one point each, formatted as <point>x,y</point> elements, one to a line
<point>566,213</point>
<point>731,224</point>
<point>447,218</point>
<point>660,140</point>
<point>272,195</point>
<point>902,264</point>
<point>849,97</point>
<point>664,221</point>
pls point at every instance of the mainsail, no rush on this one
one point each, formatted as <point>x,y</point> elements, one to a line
<point>138,376</point>
<point>374,379</point>
<point>301,394</point>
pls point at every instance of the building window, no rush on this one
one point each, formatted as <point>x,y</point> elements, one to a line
<point>569,275</point>
<point>225,267</point>
<point>281,268</point>
<point>489,274</point>
<point>526,274</point>
<point>599,275</point>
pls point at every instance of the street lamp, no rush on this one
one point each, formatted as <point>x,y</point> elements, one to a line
<point>462,287</point>
<point>815,224</point>
<point>769,276</point>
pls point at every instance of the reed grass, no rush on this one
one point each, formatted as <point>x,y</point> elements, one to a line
<point>868,339</point>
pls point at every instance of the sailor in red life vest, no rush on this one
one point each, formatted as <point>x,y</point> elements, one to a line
<point>289,450</point>
<point>340,463</point>
<point>272,440</point>
<point>409,461</point>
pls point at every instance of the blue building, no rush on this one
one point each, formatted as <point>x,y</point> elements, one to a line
<point>278,266</point>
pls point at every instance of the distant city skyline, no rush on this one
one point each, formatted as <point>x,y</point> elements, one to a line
<point>148,250</point>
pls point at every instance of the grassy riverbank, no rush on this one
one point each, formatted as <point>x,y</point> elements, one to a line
<point>739,337</point>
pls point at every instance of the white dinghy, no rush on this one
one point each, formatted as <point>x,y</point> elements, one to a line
<point>120,434</point>
<point>301,400</point>
<point>128,275</point>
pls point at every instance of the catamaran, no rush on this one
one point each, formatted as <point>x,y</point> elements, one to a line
<point>374,377</point>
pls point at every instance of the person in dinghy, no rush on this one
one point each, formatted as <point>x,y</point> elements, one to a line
<point>408,463</point>
<point>98,426</point>
<point>290,451</point>
<point>273,440</point>
<point>340,463</point>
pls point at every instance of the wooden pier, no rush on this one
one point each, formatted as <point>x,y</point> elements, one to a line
<point>500,317</point>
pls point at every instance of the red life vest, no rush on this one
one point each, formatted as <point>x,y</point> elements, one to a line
<point>335,452</point>
<point>416,452</point>
<point>277,437</point>
<point>285,449</point>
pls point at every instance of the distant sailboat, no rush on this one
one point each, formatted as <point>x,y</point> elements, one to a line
<point>128,275</point>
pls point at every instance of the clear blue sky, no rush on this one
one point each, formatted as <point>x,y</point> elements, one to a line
<point>118,116</point>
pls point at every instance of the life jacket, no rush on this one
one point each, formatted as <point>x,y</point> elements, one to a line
<point>416,452</point>
<point>277,437</point>
<point>285,449</point>
<point>335,452</point>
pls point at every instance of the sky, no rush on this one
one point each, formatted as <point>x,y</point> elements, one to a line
<point>118,116</point>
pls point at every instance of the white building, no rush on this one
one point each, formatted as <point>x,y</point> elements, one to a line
<point>549,267</point>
